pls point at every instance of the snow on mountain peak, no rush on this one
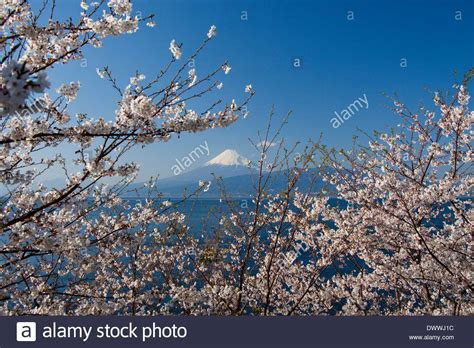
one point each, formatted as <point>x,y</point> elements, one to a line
<point>228,158</point>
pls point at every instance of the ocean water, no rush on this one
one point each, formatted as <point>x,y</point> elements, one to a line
<point>203,215</point>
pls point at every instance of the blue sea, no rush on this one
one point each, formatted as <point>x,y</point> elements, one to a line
<point>203,215</point>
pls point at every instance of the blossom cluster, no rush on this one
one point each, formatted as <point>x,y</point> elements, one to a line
<point>83,222</point>
<point>17,84</point>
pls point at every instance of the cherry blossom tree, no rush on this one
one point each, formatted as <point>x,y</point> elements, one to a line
<point>390,234</point>
<point>70,249</point>
<point>409,217</point>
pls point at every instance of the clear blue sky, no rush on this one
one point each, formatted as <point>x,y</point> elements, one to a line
<point>341,61</point>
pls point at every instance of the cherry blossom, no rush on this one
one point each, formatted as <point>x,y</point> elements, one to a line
<point>212,32</point>
<point>175,49</point>
<point>69,91</point>
<point>226,67</point>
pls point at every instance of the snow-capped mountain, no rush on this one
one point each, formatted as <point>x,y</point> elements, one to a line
<point>227,164</point>
<point>228,158</point>
<point>238,178</point>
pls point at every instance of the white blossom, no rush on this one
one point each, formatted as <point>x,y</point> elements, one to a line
<point>175,50</point>
<point>192,77</point>
<point>121,7</point>
<point>69,91</point>
<point>102,73</point>
<point>226,68</point>
<point>17,84</point>
<point>137,78</point>
<point>212,32</point>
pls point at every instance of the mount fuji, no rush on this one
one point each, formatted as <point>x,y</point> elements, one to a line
<point>228,158</point>
<point>227,164</point>
<point>236,172</point>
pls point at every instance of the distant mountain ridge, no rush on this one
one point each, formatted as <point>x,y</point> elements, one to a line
<point>237,177</point>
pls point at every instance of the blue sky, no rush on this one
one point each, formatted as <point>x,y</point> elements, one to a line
<point>341,61</point>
